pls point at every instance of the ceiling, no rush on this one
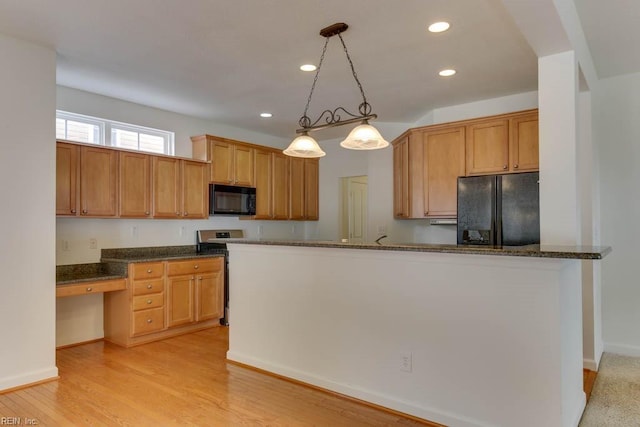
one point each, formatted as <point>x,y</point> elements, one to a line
<point>230,60</point>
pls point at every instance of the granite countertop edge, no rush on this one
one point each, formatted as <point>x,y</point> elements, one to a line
<point>113,263</point>
<point>531,251</point>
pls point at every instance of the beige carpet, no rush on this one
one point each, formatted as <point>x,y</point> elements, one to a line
<point>615,399</point>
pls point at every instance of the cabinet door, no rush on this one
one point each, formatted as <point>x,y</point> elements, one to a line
<point>98,181</point>
<point>311,191</point>
<point>66,179</point>
<point>166,187</point>
<point>401,179</point>
<point>487,147</point>
<point>222,162</point>
<point>444,162</point>
<point>243,158</point>
<point>296,188</point>
<point>280,186</point>
<point>180,300</point>
<point>210,294</point>
<point>135,185</point>
<point>523,147</point>
<point>263,178</point>
<point>195,183</point>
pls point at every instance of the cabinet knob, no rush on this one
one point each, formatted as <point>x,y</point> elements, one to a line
<point>504,167</point>
<point>149,271</point>
<point>147,213</point>
<point>515,166</point>
<point>84,211</point>
<point>177,213</point>
<point>149,286</point>
<point>195,266</point>
<point>73,211</point>
<point>186,214</point>
<point>149,301</point>
<point>149,321</point>
<point>89,289</point>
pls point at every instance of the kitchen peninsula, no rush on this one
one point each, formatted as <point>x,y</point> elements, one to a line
<point>457,335</point>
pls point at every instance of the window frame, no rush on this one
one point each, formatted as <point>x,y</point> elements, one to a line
<point>106,126</point>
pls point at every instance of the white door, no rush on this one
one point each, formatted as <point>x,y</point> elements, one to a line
<point>357,209</point>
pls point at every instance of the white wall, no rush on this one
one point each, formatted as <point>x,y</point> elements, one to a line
<point>616,107</point>
<point>27,171</point>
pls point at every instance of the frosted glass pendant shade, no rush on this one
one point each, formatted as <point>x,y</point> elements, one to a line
<point>364,137</point>
<point>304,146</point>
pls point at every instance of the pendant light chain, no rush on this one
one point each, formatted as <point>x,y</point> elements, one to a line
<point>305,121</point>
<point>365,108</point>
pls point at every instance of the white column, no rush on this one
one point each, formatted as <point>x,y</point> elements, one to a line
<point>559,197</point>
<point>27,248</point>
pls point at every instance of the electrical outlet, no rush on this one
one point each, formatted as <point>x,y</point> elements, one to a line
<point>93,243</point>
<point>260,230</point>
<point>65,245</point>
<point>405,362</point>
<point>134,231</point>
<point>182,230</point>
<point>293,229</point>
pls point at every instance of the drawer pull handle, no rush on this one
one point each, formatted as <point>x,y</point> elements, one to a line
<point>149,321</point>
<point>89,289</point>
<point>149,271</point>
<point>149,301</point>
<point>195,266</point>
<point>149,286</point>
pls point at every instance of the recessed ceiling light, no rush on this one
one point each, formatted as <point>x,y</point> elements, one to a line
<point>447,73</point>
<point>438,27</point>
<point>308,67</point>
<point>266,115</point>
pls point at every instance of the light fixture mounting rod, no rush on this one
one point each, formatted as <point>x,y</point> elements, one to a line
<point>334,29</point>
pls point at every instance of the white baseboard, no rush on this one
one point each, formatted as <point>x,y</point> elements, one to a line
<point>8,383</point>
<point>622,349</point>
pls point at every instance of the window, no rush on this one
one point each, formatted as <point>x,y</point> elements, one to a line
<point>93,130</point>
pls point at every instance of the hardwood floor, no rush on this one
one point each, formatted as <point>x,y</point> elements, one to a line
<point>184,380</point>
<point>588,379</point>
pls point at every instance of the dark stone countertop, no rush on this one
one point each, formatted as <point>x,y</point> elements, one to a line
<point>114,262</point>
<point>532,251</point>
<point>79,273</point>
<point>153,253</point>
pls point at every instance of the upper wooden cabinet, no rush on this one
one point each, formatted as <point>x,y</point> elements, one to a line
<point>86,181</point>
<point>303,188</point>
<point>443,163</point>
<point>114,183</point>
<point>504,144</point>
<point>67,179</point>
<point>427,161</point>
<point>286,187</point>
<point>135,185</point>
<point>232,162</point>
<point>179,188</point>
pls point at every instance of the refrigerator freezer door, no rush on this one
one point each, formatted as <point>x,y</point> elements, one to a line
<point>520,209</point>
<point>476,210</point>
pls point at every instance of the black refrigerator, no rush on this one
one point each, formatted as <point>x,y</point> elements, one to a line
<point>499,210</point>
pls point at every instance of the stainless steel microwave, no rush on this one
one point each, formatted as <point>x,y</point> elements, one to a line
<point>231,200</point>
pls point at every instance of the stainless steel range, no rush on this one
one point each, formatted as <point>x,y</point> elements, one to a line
<point>212,242</point>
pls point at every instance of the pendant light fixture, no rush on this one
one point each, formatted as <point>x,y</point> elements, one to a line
<point>362,137</point>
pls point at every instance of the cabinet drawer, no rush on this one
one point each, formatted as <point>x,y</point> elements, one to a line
<point>148,270</point>
<point>91,287</point>
<point>143,302</point>
<point>147,321</point>
<point>180,268</point>
<point>144,287</point>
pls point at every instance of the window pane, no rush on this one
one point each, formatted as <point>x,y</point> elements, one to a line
<point>152,143</point>
<point>124,139</point>
<point>60,129</point>
<point>82,132</point>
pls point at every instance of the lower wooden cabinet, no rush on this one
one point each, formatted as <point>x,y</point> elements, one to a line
<point>165,299</point>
